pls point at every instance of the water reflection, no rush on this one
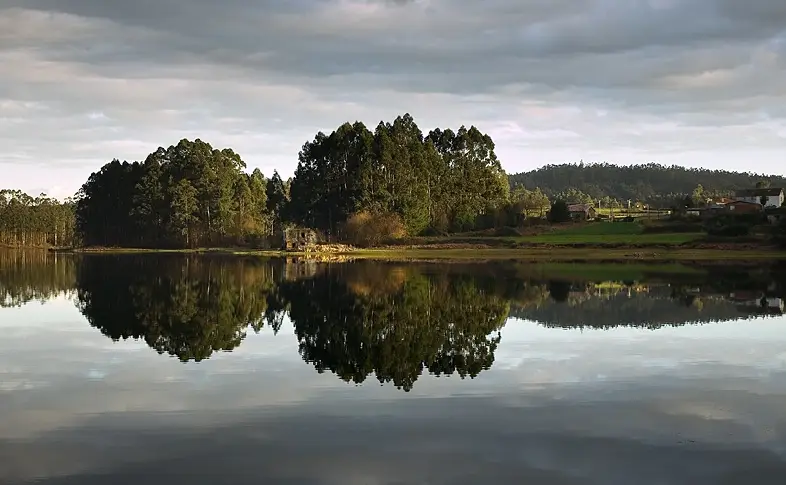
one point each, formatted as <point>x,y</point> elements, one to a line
<point>27,276</point>
<point>392,321</point>
<point>585,374</point>
<point>186,307</point>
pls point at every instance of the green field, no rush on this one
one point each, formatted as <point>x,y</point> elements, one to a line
<point>609,233</point>
<point>638,214</point>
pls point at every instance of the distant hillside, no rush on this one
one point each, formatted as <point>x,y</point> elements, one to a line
<point>647,183</point>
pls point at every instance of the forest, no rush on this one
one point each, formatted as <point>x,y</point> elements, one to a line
<point>651,183</point>
<point>353,185</point>
<point>194,195</point>
<point>35,221</point>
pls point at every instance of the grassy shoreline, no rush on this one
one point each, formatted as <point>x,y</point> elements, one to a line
<point>588,253</point>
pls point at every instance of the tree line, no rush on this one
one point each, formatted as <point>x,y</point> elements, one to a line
<point>651,183</point>
<point>35,221</point>
<point>192,194</point>
<point>394,180</point>
<point>187,195</point>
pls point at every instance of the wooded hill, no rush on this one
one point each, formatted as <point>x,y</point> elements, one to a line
<point>650,183</point>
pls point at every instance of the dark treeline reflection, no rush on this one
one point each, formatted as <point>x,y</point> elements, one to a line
<point>188,307</point>
<point>392,321</point>
<point>34,275</point>
<point>354,320</point>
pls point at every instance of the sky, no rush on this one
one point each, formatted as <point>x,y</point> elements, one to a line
<point>691,82</point>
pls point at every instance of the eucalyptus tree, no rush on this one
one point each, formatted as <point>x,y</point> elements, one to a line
<point>187,195</point>
<point>35,221</point>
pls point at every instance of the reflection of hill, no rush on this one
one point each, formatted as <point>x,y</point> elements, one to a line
<point>648,307</point>
<point>34,275</point>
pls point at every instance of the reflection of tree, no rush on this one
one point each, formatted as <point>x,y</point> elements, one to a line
<point>446,324</point>
<point>186,307</point>
<point>650,307</point>
<point>394,321</point>
<point>559,290</point>
<point>27,275</point>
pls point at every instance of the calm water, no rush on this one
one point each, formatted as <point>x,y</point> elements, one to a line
<point>174,369</point>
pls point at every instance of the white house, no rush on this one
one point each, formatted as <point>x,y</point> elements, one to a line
<point>775,196</point>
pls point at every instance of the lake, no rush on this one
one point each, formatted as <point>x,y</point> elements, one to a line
<point>206,369</point>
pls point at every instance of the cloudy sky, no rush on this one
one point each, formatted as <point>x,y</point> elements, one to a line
<point>693,82</point>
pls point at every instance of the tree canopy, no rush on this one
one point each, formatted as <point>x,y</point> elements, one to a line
<point>187,195</point>
<point>444,180</point>
<point>35,221</point>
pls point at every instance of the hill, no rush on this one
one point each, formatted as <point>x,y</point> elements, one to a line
<point>650,183</point>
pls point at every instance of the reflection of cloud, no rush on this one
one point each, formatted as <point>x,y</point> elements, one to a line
<point>556,407</point>
<point>511,438</point>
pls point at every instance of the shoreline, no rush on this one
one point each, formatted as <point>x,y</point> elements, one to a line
<point>588,253</point>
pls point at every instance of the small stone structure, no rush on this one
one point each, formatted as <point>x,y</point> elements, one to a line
<point>300,239</point>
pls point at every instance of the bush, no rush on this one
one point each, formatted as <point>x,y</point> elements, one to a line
<point>731,230</point>
<point>534,221</point>
<point>506,231</point>
<point>559,211</point>
<point>367,229</point>
<point>433,231</point>
<point>673,227</point>
<point>779,233</point>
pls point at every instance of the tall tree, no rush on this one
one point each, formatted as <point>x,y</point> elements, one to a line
<point>35,221</point>
<point>276,199</point>
<point>443,180</point>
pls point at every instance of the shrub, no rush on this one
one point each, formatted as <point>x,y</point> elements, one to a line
<point>506,231</point>
<point>559,211</point>
<point>731,230</point>
<point>672,227</point>
<point>779,233</point>
<point>434,231</point>
<point>370,229</point>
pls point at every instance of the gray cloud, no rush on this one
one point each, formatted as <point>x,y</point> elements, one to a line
<point>115,77</point>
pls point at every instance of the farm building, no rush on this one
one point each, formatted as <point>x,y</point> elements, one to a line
<point>773,197</point>
<point>744,207</point>
<point>581,212</point>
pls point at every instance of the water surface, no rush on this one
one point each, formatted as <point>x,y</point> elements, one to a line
<point>178,369</point>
